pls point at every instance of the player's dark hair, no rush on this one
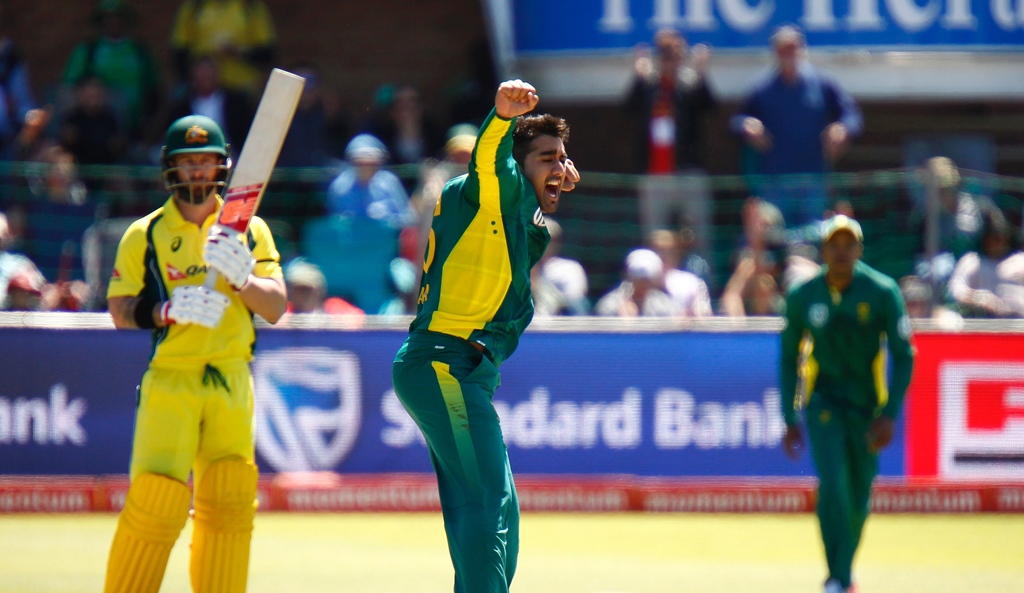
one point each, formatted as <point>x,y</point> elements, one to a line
<point>531,127</point>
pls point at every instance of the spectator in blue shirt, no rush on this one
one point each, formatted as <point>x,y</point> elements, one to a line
<point>368,191</point>
<point>799,121</point>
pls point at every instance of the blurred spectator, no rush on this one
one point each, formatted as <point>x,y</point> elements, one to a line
<point>318,125</point>
<point>307,291</point>
<point>25,292</point>
<point>66,295</point>
<point>410,135</point>
<point>918,295</point>
<point>34,138</point>
<point>671,100</point>
<point>402,274</point>
<point>639,294</point>
<point>237,34</point>
<point>921,303</point>
<point>122,63</point>
<point>89,130</point>
<point>18,105</point>
<point>990,282</point>
<point>433,175</point>
<point>232,110</point>
<point>762,296</point>
<point>952,224</point>
<point>365,190</point>
<point>458,148</point>
<point>689,259</point>
<point>799,121</point>
<point>559,284</point>
<point>355,243</point>
<point>688,290</point>
<point>59,182</point>
<point>14,265</point>
<point>767,253</point>
<point>58,215</point>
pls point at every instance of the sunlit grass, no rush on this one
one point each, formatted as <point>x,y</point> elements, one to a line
<point>561,553</point>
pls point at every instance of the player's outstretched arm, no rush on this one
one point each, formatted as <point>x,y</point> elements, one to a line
<point>515,98</point>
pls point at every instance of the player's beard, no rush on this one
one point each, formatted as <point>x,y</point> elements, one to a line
<point>197,192</point>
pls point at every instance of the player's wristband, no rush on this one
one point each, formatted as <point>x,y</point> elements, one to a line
<point>143,313</point>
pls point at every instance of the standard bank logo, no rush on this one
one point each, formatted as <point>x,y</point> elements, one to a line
<point>308,407</point>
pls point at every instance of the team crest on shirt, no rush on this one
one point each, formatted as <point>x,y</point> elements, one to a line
<point>818,315</point>
<point>863,313</point>
<point>538,219</point>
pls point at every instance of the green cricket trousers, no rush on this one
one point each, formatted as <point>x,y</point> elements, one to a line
<point>446,385</point>
<point>846,469</point>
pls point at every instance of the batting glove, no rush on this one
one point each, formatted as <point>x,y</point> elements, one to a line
<point>230,257</point>
<point>194,305</point>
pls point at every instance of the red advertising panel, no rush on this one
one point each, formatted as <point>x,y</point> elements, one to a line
<point>965,410</point>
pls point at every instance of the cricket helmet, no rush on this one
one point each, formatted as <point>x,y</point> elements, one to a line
<point>194,134</point>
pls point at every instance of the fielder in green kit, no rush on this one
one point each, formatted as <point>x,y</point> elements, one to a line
<point>475,301</point>
<point>837,326</point>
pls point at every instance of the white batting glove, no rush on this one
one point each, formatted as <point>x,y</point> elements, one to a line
<point>230,257</point>
<point>194,305</point>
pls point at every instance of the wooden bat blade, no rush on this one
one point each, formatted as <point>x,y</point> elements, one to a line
<point>256,162</point>
<point>262,146</point>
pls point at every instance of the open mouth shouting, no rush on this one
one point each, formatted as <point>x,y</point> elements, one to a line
<point>552,190</point>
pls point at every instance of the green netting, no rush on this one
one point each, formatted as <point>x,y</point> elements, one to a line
<point>600,220</point>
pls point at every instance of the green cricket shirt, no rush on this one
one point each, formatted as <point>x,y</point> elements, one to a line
<point>486,235</point>
<point>834,343</point>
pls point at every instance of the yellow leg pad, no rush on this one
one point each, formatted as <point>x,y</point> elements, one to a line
<point>224,508</point>
<point>155,510</point>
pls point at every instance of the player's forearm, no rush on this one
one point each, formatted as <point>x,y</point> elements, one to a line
<point>123,312</point>
<point>266,297</point>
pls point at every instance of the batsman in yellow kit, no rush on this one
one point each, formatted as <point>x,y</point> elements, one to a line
<point>195,407</point>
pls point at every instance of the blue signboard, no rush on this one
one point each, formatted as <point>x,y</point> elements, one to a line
<point>545,26</point>
<point>649,404</point>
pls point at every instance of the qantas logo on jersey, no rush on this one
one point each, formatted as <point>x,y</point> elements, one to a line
<point>116,275</point>
<point>174,273</point>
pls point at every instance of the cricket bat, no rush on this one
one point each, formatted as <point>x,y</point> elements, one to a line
<point>251,173</point>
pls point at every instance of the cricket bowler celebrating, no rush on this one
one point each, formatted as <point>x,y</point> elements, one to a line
<point>475,301</point>
<point>837,326</point>
<point>195,402</point>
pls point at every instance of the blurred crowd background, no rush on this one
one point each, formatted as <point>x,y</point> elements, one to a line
<point>685,209</point>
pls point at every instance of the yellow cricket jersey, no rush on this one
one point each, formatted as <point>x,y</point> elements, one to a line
<point>163,251</point>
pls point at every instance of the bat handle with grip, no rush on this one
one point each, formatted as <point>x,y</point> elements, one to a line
<point>211,279</point>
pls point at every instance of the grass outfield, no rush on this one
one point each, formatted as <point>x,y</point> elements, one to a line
<point>561,553</point>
